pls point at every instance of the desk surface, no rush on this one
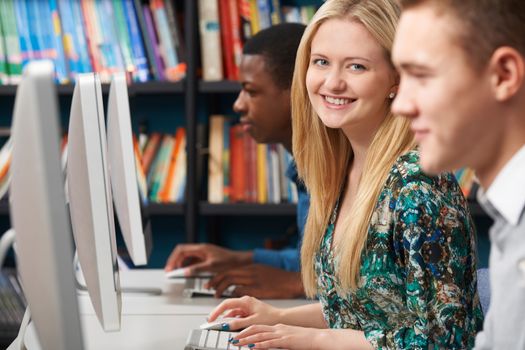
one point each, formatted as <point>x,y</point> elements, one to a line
<point>150,321</point>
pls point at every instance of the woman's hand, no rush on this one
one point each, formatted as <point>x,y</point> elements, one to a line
<point>249,311</point>
<point>280,336</point>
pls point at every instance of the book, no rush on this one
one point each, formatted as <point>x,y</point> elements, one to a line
<point>215,170</point>
<point>138,54</point>
<point>146,38</point>
<point>26,49</point>
<point>174,70</point>
<point>123,39</point>
<point>167,190</point>
<point>211,50</point>
<point>158,61</point>
<point>3,58</point>
<point>262,175</point>
<point>238,170</point>
<point>11,40</point>
<point>226,160</point>
<point>244,19</point>
<point>150,150</point>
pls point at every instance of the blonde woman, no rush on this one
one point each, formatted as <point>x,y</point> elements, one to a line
<point>388,250</point>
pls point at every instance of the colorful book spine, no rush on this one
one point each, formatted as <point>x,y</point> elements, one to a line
<point>244,19</point>
<point>3,58</point>
<point>137,47</point>
<point>173,70</point>
<point>152,34</point>
<point>178,189</point>
<point>69,38</point>
<point>26,50</point>
<point>265,20</point>
<point>11,40</point>
<point>173,26</point>
<point>35,34</point>
<point>215,171</point>
<point>211,51</point>
<point>161,168</point>
<point>226,161</point>
<point>123,39</point>
<point>54,27</point>
<point>110,47</point>
<point>146,38</point>
<point>81,42</point>
<point>276,16</point>
<point>238,170</point>
<point>254,17</point>
<point>262,175</point>
<point>94,39</point>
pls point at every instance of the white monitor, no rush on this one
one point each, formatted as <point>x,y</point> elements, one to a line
<point>90,200</point>
<point>38,212</point>
<point>134,225</point>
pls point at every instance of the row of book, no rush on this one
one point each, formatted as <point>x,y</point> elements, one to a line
<point>104,36</point>
<point>161,166</point>
<point>224,25</point>
<point>239,170</point>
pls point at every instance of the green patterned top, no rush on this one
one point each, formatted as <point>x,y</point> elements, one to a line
<point>418,282</point>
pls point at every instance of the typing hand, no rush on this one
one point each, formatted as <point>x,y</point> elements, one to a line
<point>205,258</point>
<point>247,310</point>
<point>280,337</point>
<point>260,281</point>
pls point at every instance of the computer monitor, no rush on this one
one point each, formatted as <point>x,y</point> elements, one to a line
<point>38,212</point>
<point>134,223</point>
<point>90,200</point>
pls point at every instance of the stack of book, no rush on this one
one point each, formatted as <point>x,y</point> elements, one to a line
<point>104,36</point>
<point>224,25</point>
<point>239,170</point>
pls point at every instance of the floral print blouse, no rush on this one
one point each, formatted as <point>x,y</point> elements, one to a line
<point>418,285</point>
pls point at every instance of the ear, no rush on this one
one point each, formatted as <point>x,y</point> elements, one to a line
<point>507,69</point>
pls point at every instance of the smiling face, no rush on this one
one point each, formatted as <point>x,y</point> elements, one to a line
<point>349,78</point>
<point>450,103</point>
<point>264,106</point>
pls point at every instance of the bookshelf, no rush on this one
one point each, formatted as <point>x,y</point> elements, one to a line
<point>196,93</point>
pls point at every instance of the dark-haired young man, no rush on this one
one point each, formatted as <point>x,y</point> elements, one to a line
<point>266,72</point>
<point>462,67</point>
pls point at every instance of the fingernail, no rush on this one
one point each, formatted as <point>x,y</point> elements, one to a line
<point>234,341</point>
<point>251,345</point>
<point>225,327</point>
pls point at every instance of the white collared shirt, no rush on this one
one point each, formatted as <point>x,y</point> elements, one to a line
<point>506,194</point>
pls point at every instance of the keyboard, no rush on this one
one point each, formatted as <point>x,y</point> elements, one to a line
<point>211,340</point>
<point>195,287</point>
<point>12,305</point>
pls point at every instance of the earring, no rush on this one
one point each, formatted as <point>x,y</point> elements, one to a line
<point>392,95</point>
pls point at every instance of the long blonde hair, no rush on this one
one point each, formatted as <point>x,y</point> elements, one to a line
<point>323,155</point>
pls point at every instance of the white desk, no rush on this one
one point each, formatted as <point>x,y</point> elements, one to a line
<point>150,322</point>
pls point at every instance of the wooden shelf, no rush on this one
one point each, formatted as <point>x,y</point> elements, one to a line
<point>248,209</point>
<point>223,86</point>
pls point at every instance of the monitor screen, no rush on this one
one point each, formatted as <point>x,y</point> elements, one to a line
<point>90,200</point>
<point>38,212</point>
<point>134,223</point>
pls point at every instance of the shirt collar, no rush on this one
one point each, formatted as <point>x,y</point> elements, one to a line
<point>506,194</point>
